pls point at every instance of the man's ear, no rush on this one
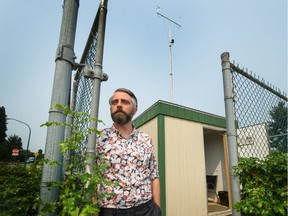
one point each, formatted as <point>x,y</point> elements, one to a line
<point>135,110</point>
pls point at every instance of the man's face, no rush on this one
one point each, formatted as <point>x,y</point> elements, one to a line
<point>122,108</point>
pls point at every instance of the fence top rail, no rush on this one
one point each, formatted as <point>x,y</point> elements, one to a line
<point>91,37</point>
<point>262,84</point>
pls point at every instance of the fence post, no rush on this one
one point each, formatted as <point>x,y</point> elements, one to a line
<point>98,76</point>
<point>231,129</point>
<point>60,95</point>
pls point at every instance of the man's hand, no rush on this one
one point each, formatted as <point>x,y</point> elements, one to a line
<point>156,191</point>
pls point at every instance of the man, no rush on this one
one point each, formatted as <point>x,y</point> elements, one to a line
<point>132,170</point>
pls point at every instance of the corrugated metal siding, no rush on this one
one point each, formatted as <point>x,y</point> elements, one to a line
<point>185,168</point>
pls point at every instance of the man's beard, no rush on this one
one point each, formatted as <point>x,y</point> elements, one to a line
<point>122,118</point>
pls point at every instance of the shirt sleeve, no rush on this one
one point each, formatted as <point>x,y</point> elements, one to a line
<point>153,164</point>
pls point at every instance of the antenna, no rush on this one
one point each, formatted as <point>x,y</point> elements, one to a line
<point>171,42</point>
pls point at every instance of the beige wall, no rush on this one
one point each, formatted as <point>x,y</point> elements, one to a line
<point>186,192</point>
<point>151,129</point>
<point>185,168</point>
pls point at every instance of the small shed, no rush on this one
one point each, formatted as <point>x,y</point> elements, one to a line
<point>191,149</point>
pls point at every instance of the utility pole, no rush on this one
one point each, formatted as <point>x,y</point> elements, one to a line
<point>171,42</point>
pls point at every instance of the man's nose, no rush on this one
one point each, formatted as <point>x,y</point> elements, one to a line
<point>119,104</point>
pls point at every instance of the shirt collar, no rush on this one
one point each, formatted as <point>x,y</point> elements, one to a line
<point>115,130</point>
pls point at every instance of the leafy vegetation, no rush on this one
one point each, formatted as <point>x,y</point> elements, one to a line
<point>3,124</point>
<point>20,183</point>
<point>278,127</point>
<point>263,185</point>
<point>19,188</point>
<point>12,142</point>
<point>78,187</point>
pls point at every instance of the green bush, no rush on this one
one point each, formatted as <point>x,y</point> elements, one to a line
<point>19,188</point>
<point>77,187</point>
<point>20,184</point>
<point>263,185</point>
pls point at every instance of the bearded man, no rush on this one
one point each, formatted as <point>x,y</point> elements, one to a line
<point>133,170</point>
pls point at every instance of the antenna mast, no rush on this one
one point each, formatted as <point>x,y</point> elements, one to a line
<point>171,42</point>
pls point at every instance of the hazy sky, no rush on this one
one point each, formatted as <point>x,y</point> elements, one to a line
<point>136,53</point>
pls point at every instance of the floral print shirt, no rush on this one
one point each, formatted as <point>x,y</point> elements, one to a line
<point>132,165</point>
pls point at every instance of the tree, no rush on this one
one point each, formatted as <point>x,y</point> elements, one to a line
<point>278,127</point>
<point>40,154</point>
<point>13,141</point>
<point>3,125</point>
<point>5,155</point>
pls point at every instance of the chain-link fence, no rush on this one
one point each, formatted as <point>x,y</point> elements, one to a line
<point>84,101</point>
<point>82,92</point>
<point>260,114</point>
<point>256,118</point>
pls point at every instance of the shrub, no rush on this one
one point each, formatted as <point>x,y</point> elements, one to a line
<point>20,183</point>
<point>19,188</point>
<point>77,188</point>
<point>263,185</point>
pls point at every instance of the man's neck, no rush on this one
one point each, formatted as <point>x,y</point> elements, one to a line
<point>125,129</point>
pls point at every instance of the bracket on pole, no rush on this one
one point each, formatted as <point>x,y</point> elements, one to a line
<point>95,73</point>
<point>66,53</point>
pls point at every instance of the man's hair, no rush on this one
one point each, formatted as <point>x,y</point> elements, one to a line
<point>127,91</point>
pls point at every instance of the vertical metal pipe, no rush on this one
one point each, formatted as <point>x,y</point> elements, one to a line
<point>98,77</point>
<point>60,95</point>
<point>171,69</point>
<point>231,129</point>
<point>171,74</point>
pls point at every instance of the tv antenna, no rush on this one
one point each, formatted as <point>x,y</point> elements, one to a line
<point>171,42</point>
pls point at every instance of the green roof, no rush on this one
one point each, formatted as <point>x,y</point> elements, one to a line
<point>181,112</point>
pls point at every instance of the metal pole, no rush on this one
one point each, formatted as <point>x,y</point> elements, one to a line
<point>65,62</point>
<point>28,136</point>
<point>231,129</point>
<point>98,76</point>
<point>171,41</point>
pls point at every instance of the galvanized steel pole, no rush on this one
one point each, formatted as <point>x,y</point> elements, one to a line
<point>65,62</point>
<point>231,129</point>
<point>98,76</point>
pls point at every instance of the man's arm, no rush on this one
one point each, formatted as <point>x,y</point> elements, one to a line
<point>156,191</point>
